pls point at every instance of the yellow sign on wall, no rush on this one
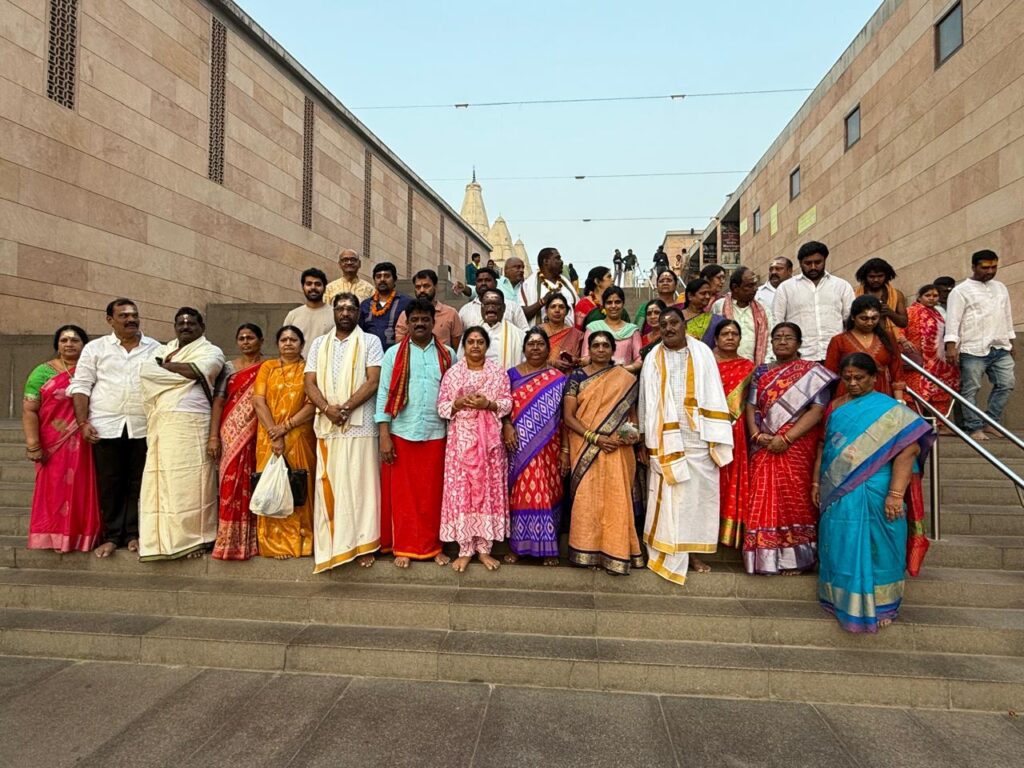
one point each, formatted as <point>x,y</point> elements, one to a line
<point>743,226</point>
<point>773,219</point>
<point>806,221</point>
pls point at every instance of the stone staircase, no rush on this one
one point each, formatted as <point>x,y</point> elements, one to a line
<point>959,642</point>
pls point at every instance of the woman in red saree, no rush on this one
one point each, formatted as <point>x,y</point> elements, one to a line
<point>924,333</point>
<point>236,446</point>
<point>734,484</point>
<point>784,410</point>
<point>588,308</point>
<point>566,340</point>
<point>65,505</point>
<point>866,333</point>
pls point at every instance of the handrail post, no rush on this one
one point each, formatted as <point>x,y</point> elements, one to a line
<point>933,475</point>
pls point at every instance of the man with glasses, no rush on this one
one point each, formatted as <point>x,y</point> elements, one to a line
<point>349,282</point>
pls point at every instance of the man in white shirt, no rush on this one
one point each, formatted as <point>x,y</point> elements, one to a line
<point>533,293</point>
<point>979,337</point>
<point>506,347</point>
<point>754,320</point>
<point>779,270</point>
<point>315,317</point>
<point>817,301</point>
<point>106,391</point>
<point>472,313</point>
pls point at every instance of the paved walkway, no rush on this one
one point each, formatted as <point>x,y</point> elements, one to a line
<point>57,713</point>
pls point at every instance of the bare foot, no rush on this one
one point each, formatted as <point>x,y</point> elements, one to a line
<point>489,562</point>
<point>194,555</point>
<point>791,572</point>
<point>511,558</point>
<point>442,559</point>
<point>699,565</point>
<point>884,623</point>
<point>366,561</point>
<point>979,435</point>
<point>460,563</point>
<point>133,545</point>
<point>401,562</point>
<point>105,550</point>
<point>993,433</point>
<point>551,561</point>
<point>282,557</point>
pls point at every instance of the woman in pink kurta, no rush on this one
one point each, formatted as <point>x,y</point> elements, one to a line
<point>475,395</point>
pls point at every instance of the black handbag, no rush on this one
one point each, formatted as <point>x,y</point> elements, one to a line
<point>298,479</point>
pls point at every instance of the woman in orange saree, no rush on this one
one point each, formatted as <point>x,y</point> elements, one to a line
<point>233,438</point>
<point>65,513</point>
<point>600,399</point>
<point>286,427</point>
<point>734,485</point>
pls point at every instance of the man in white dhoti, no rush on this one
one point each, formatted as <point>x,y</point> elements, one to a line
<point>342,371</point>
<point>685,423</point>
<point>506,339</point>
<point>178,499</point>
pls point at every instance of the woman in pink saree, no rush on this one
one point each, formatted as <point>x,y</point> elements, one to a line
<point>65,505</point>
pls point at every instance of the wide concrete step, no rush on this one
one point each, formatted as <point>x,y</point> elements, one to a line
<point>14,521</point>
<point>577,614</point>
<point>938,586</point>
<point>17,472</point>
<point>849,676</point>
<point>988,552</point>
<point>978,491</point>
<point>951,447</point>
<point>982,520</point>
<point>16,494</point>
<point>13,452</point>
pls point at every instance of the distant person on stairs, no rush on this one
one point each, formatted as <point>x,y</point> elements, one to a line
<point>979,338</point>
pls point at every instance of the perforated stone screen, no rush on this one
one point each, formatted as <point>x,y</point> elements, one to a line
<point>62,52</point>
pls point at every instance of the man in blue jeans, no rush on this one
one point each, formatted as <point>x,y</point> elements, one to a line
<point>979,337</point>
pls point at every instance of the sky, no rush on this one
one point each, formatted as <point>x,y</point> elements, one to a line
<point>400,53</point>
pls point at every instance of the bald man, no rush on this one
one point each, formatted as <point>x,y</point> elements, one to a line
<point>512,279</point>
<point>349,282</point>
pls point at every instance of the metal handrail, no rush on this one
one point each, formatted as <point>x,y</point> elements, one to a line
<point>938,416</point>
<point>964,402</point>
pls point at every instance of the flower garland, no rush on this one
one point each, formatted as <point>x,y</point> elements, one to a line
<point>381,311</point>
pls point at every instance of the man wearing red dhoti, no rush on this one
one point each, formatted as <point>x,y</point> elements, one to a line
<point>412,440</point>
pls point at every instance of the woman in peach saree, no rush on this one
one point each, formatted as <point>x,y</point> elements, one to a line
<point>600,400</point>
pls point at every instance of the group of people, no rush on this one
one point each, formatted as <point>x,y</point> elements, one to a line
<point>711,420</point>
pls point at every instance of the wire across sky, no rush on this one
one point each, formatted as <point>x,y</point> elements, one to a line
<point>583,176</point>
<point>592,100</point>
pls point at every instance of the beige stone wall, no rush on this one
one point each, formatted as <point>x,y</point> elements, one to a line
<point>939,170</point>
<point>112,197</point>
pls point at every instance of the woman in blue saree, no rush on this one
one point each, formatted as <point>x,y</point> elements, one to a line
<point>537,459</point>
<point>865,465</point>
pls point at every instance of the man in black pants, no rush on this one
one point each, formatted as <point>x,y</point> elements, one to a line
<point>108,409</point>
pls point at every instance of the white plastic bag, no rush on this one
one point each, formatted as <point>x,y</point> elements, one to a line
<point>272,496</point>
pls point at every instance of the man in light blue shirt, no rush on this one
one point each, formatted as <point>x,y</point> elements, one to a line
<point>412,440</point>
<point>511,282</point>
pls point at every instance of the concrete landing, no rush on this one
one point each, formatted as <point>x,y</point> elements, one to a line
<point>60,713</point>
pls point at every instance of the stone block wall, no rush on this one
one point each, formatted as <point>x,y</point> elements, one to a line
<point>939,169</point>
<point>113,195</point>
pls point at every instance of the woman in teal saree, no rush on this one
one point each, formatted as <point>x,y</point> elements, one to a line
<point>865,463</point>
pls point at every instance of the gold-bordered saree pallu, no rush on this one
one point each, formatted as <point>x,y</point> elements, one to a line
<point>602,530</point>
<point>862,553</point>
